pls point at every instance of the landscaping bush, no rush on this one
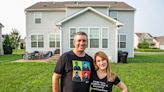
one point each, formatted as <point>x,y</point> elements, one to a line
<point>143,45</point>
<point>7,49</point>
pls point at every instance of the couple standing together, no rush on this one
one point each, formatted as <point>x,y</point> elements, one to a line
<point>77,71</point>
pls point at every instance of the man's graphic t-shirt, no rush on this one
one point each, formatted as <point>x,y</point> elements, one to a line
<point>79,73</point>
<point>75,78</point>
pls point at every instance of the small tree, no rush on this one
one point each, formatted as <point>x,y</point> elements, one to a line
<point>7,41</point>
<point>15,38</point>
<point>143,45</point>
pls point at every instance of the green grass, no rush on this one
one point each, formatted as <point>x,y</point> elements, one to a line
<point>25,77</point>
<point>149,50</point>
<point>144,73</point>
<point>12,57</point>
<point>17,54</point>
<point>18,51</point>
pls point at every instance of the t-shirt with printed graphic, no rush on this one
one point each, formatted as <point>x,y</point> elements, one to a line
<point>74,78</point>
<point>102,85</point>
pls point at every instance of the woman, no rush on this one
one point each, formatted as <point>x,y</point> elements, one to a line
<point>103,78</point>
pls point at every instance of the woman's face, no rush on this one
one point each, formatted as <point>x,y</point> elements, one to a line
<point>101,63</point>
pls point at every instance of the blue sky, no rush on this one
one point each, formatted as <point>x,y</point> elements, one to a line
<point>149,15</point>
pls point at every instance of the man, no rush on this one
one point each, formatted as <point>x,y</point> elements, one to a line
<point>76,77</point>
<point>76,67</point>
<point>85,78</point>
<point>64,68</point>
<point>85,67</point>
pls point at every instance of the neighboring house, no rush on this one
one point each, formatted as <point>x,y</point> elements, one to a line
<point>109,25</point>
<point>160,39</point>
<point>1,41</point>
<point>140,37</point>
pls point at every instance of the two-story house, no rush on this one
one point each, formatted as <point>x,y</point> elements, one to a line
<point>109,26</point>
<point>1,41</point>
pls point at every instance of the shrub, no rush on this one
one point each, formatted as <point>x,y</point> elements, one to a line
<point>143,45</point>
<point>7,49</point>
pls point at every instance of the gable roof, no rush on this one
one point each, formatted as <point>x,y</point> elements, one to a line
<point>62,5</point>
<point>160,39</point>
<point>143,35</point>
<point>93,10</point>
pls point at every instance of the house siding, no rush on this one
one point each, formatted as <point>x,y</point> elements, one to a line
<point>90,19</point>
<point>47,27</point>
<point>1,43</point>
<point>71,11</point>
<point>127,17</point>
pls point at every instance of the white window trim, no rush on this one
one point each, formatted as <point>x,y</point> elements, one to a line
<point>112,16</point>
<point>37,17</point>
<point>49,40</point>
<point>87,35</point>
<point>37,40</point>
<point>70,36</point>
<point>99,37</point>
<point>56,40</point>
<point>102,38</point>
<point>122,41</point>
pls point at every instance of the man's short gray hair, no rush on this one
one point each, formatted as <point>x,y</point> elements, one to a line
<point>80,33</point>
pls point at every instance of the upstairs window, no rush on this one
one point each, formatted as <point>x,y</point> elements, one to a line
<point>38,17</point>
<point>113,14</point>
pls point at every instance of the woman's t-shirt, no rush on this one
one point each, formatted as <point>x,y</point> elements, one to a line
<point>102,85</point>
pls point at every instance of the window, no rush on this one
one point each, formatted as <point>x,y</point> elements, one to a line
<point>40,41</point>
<point>122,41</point>
<point>85,30</point>
<point>94,37</point>
<point>38,17</point>
<point>37,41</point>
<point>34,41</point>
<point>113,14</point>
<point>52,40</point>
<point>105,36</point>
<point>72,33</point>
<point>57,40</point>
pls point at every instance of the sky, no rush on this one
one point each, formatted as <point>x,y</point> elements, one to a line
<point>149,15</point>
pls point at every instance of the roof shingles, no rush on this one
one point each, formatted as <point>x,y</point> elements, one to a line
<point>53,5</point>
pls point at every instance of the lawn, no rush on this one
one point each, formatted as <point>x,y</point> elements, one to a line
<point>144,73</point>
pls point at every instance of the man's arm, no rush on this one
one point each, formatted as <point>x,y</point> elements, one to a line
<point>55,82</point>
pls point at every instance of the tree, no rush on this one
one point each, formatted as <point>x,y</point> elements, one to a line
<point>7,45</point>
<point>15,38</point>
<point>143,45</point>
<point>7,41</point>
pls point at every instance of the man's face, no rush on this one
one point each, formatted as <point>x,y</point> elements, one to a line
<point>77,74</point>
<point>86,75</point>
<point>80,43</point>
<point>85,65</point>
<point>76,63</point>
